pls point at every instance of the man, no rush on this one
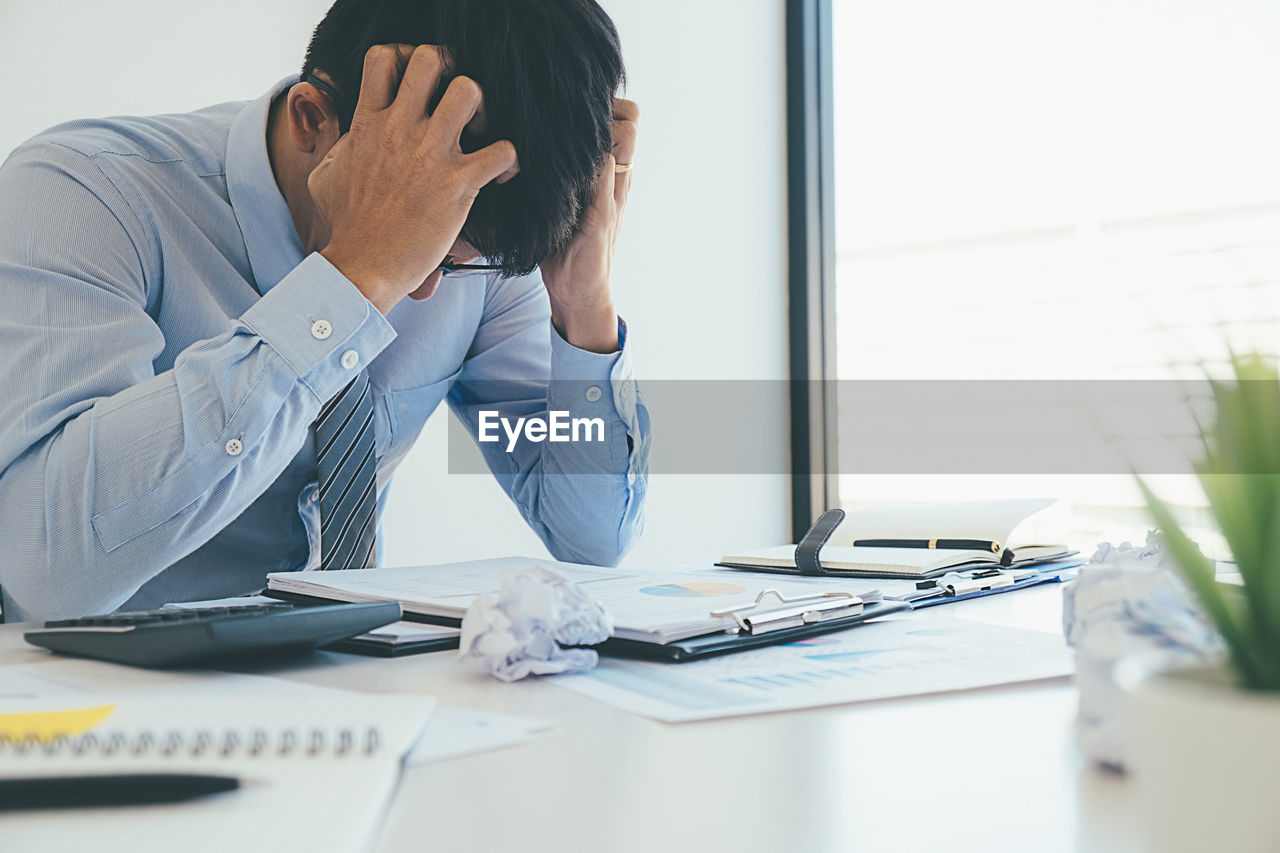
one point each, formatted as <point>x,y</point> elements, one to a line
<point>212,366</point>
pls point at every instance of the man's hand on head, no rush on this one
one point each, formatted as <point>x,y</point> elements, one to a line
<point>577,278</point>
<point>396,190</point>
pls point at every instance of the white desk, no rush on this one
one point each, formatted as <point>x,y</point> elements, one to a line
<point>988,770</point>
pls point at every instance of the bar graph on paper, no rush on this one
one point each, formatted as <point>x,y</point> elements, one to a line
<point>901,657</point>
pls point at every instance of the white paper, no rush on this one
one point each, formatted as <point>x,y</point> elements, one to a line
<point>893,657</point>
<point>442,590</point>
<point>237,601</point>
<point>994,520</point>
<point>398,633</point>
<point>241,701</point>
<point>1127,600</point>
<point>455,732</point>
<point>536,626</point>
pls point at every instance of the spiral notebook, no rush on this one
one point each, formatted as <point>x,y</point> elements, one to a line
<point>317,766</point>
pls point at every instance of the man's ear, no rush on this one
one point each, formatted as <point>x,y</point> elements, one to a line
<point>312,119</point>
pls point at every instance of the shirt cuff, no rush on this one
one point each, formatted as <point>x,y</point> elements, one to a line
<point>321,325</point>
<point>591,383</point>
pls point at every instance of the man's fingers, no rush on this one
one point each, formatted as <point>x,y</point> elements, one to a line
<point>378,81</point>
<point>511,172</point>
<point>421,79</point>
<point>493,162</point>
<point>621,189</point>
<point>624,110</point>
<point>462,101</point>
<point>480,122</point>
<point>625,136</point>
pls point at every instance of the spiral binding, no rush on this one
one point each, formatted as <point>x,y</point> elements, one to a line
<point>256,743</point>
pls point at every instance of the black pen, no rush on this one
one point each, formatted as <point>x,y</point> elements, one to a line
<point>939,544</point>
<point>59,792</point>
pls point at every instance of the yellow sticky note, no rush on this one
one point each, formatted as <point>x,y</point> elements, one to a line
<point>44,726</point>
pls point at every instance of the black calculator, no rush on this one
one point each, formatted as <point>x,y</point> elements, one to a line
<point>182,636</point>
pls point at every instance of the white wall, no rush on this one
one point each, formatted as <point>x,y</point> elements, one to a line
<point>78,58</point>
<point>701,269</point>
<point>700,279</point>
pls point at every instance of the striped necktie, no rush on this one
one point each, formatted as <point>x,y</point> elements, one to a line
<point>348,477</point>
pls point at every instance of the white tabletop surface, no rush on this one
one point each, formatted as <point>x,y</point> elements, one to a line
<point>986,770</point>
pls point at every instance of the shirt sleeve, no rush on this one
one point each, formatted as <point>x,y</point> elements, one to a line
<point>110,471</point>
<point>584,498</point>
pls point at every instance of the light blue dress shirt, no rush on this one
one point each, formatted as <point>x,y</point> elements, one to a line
<point>167,345</point>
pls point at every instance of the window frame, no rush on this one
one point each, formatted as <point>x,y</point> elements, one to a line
<point>811,260</point>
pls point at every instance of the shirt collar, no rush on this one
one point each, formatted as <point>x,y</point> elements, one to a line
<point>269,234</point>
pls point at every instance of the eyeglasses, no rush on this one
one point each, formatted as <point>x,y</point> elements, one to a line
<point>450,268</point>
<point>327,88</point>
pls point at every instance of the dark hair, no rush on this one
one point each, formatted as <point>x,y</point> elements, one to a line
<point>549,70</point>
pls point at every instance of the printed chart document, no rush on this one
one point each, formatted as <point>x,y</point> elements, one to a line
<point>892,657</point>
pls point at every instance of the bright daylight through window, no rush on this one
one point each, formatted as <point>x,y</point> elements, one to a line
<point>1057,190</point>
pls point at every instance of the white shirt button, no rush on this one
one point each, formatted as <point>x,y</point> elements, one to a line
<point>315,495</point>
<point>350,359</point>
<point>321,329</point>
<point>235,447</point>
<point>594,393</point>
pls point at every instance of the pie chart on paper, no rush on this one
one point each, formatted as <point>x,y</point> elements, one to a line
<point>709,589</point>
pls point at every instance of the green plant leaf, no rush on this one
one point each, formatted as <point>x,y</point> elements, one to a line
<point>1238,503</point>
<point>1262,587</point>
<point>1241,476</point>
<point>1198,571</point>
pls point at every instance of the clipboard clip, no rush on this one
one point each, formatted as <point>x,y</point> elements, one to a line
<point>957,583</point>
<point>753,618</point>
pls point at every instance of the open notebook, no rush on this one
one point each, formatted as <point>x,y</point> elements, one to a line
<point>990,522</point>
<point>317,766</point>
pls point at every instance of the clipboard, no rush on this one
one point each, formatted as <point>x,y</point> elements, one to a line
<point>768,620</point>
<point>709,645</point>
<point>982,583</point>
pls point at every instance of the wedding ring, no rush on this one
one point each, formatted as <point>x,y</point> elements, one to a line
<point>619,168</point>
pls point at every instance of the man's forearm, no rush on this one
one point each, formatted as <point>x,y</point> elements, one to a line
<point>142,477</point>
<point>592,326</point>
<point>583,497</point>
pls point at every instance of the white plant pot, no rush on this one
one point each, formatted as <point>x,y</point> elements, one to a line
<point>1203,758</point>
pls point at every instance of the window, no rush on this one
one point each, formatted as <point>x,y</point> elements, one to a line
<point>1052,190</point>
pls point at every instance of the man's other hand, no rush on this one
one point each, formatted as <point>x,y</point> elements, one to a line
<point>396,190</point>
<point>577,278</point>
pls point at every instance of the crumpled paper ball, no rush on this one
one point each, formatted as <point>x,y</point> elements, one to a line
<point>537,613</point>
<point>1127,600</point>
